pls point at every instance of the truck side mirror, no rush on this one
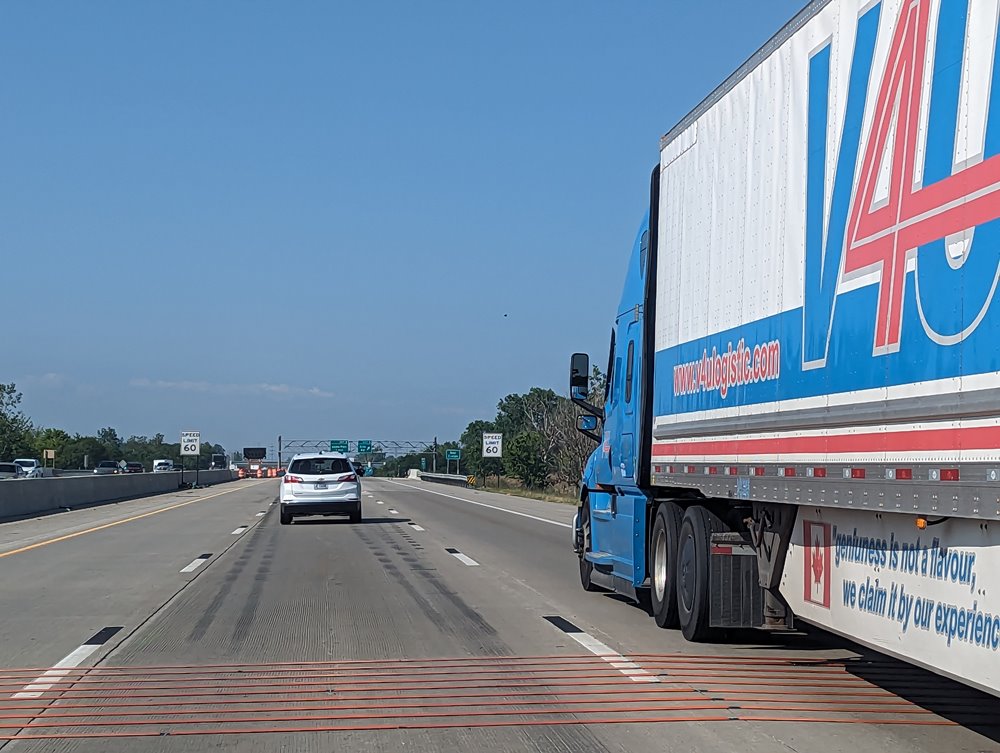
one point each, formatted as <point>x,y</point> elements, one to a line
<point>579,376</point>
<point>587,425</point>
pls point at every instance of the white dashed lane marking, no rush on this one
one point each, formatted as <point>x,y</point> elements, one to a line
<point>51,677</point>
<point>196,563</point>
<point>628,668</point>
<point>461,557</point>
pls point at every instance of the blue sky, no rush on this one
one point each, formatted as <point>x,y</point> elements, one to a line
<point>309,218</point>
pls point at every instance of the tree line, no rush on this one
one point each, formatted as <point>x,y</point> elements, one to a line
<point>541,446</point>
<point>20,438</point>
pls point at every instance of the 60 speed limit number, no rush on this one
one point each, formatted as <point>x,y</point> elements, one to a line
<point>492,445</point>
<point>190,443</point>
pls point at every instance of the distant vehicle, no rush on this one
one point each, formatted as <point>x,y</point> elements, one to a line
<point>320,484</point>
<point>134,468</point>
<point>10,471</point>
<point>106,468</point>
<point>30,467</point>
<point>162,466</point>
<point>359,468</point>
<point>219,461</point>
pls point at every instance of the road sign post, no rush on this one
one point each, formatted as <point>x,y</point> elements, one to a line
<point>191,446</point>
<point>492,450</point>
<point>450,455</point>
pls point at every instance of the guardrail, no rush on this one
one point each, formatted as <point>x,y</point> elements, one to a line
<point>26,497</point>
<point>446,478</point>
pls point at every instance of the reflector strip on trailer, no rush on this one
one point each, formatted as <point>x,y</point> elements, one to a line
<point>742,550</point>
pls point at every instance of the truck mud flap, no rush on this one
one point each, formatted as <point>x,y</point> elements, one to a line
<point>737,600</point>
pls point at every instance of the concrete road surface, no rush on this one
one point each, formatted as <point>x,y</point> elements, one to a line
<point>448,620</point>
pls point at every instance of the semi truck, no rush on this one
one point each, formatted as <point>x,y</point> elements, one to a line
<point>801,419</point>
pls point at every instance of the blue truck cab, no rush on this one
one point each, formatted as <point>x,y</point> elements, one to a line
<point>667,546</point>
<point>610,532</point>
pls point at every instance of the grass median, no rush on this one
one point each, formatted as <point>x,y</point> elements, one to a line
<point>562,495</point>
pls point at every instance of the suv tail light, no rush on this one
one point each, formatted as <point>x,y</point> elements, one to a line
<point>348,478</point>
<point>292,479</point>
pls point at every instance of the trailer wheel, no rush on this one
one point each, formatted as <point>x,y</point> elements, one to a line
<point>693,563</point>
<point>586,567</point>
<point>663,564</point>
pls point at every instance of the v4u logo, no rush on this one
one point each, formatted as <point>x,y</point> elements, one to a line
<point>904,208</point>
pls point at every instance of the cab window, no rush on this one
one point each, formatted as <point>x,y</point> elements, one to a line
<point>629,369</point>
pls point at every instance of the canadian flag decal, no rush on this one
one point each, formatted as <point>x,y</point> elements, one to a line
<point>816,540</point>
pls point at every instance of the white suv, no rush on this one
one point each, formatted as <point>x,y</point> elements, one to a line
<point>321,483</point>
<point>30,467</point>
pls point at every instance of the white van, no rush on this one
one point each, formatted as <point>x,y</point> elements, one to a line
<point>161,466</point>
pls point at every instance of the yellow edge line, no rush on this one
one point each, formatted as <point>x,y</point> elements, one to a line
<point>114,523</point>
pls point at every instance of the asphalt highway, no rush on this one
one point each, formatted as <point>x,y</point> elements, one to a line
<point>449,620</point>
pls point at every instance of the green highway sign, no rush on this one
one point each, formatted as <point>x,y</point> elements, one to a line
<point>452,454</point>
<point>364,445</point>
<point>423,464</point>
<point>339,445</point>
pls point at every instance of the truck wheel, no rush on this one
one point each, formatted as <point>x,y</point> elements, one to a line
<point>663,564</point>
<point>586,567</point>
<point>693,563</point>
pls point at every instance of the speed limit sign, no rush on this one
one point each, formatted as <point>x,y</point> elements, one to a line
<point>492,445</point>
<point>190,443</point>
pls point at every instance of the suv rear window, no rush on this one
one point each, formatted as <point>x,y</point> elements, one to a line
<point>320,466</point>
<point>9,468</point>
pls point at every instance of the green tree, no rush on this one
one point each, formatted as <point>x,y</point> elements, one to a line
<point>51,439</point>
<point>573,448</point>
<point>471,444</point>
<point>524,458</point>
<point>112,443</point>
<point>442,463</point>
<point>81,448</point>
<point>15,427</point>
<point>398,465</point>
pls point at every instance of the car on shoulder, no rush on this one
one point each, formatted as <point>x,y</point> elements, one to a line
<point>321,483</point>
<point>10,471</point>
<point>106,468</point>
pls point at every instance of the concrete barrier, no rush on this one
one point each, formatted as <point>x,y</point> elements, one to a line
<point>445,478</point>
<point>27,497</point>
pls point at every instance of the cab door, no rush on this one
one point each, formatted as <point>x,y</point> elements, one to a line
<point>630,378</point>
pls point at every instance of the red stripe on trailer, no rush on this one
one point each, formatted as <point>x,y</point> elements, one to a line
<point>924,440</point>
